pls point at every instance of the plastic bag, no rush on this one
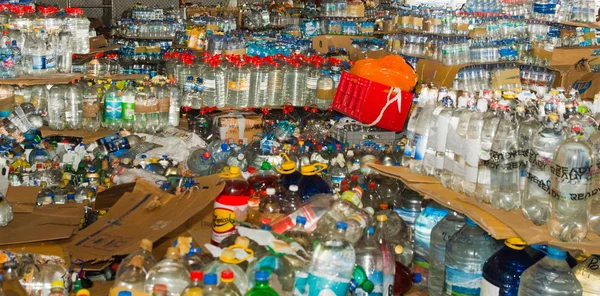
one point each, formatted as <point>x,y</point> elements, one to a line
<point>391,70</point>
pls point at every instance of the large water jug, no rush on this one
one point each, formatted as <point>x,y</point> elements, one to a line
<point>550,276</point>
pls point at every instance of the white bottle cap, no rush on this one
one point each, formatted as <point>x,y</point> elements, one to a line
<point>293,188</point>
<point>270,191</point>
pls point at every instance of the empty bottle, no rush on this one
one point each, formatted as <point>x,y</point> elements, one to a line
<point>132,277</point>
<point>588,274</point>
<point>73,107</point>
<point>281,271</point>
<point>331,265</point>
<point>210,286</point>
<point>227,286</point>
<point>570,185</point>
<point>196,282</point>
<point>370,259</point>
<point>466,252</point>
<point>427,219</point>
<point>505,165</point>
<point>56,108</point>
<point>169,272</point>
<point>387,252</point>
<point>113,109</point>
<point>221,264</point>
<point>502,272</point>
<point>536,195</point>
<point>91,108</point>
<point>550,276</point>
<point>262,287</point>
<point>440,234</point>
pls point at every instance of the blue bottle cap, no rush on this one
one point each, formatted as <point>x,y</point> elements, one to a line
<point>556,253</point>
<point>164,157</point>
<point>417,278</point>
<point>261,276</point>
<point>144,156</point>
<point>165,185</point>
<point>92,169</point>
<point>39,153</point>
<point>70,196</point>
<point>470,222</point>
<point>51,194</point>
<point>224,147</point>
<point>371,230</point>
<point>124,293</point>
<point>301,220</point>
<point>341,225</point>
<point>266,227</point>
<point>210,279</point>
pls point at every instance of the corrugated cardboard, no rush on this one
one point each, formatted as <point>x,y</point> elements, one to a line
<point>107,198</point>
<point>588,85</point>
<point>323,42</point>
<point>435,72</point>
<point>49,222</point>
<point>237,125</point>
<point>146,212</point>
<point>22,198</point>
<point>356,54</point>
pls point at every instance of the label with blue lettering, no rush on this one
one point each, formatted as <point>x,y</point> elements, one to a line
<point>332,286</point>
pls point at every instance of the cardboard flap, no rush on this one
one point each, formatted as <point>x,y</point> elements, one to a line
<point>22,198</point>
<point>108,197</point>
<point>50,222</point>
<point>146,212</point>
<point>437,73</point>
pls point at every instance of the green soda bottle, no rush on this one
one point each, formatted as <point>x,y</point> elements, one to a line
<point>262,285</point>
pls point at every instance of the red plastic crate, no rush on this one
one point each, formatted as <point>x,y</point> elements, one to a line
<point>365,100</point>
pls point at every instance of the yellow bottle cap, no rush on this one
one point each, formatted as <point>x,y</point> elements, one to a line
<point>57,284</point>
<point>515,243</point>
<point>382,218</point>
<point>83,292</point>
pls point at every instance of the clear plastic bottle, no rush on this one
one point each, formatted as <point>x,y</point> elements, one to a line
<point>227,286</point>
<point>145,251</point>
<point>294,82</point>
<point>220,264</point>
<point>331,265</point>
<point>466,252</point>
<point>451,141</point>
<point>440,234</point>
<point>370,260</point>
<point>427,219</point>
<point>502,272</point>
<point>163,96</point>
<point>422,135</point>
<point>128,106</point>
<point>550,276</point>
<point>238,88</point>
<point>10,280</point>
<point>588,275</point>
<point>528,127</point>
<point>483,190</point>
<point>90,108</point>
<point>56,108</point>
<point>174,107</point>
<point>210,286</point>
<point>429,159</point>
<point>325,90</point>
<point>6,213</point>
<point>7,98</point>
<point>73,107</point>
<point>262,287</point>
<point>281,271</point>
<point>112,107</point>
<point>536,195</point>
<point>259,82</point>
<point>275,87</point>
<point>570,184</point>
<point>412,124</point>
<point>196,282</point>
<point>133,276</point>
<point>305,240</point>
<point>504,165</point>
<point>458,172</point>
<point>169,272</point>
<point>39,99</point>
<point>387,252</point>
<point>473,147</point>
<point>146,111</point>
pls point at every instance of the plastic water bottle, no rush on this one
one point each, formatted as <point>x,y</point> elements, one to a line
<point>238,85</point>
<point>219,265</point>
<point>440,234</point>
<point>294,82</point>
<point>331,265</point>
<point>429,158</point>
<point>550,276</point>
<point>112,107</point>
<point>570,185</point>
<point>505,168</point>
<point>502,272</point>
<point>483,190</point>
<point>91,108</point>
<point>262,287</point>
<point>169,272</point>
<point>210,286</point>
<point>412,125</point>
<point>259,82</point>
<point>451,141</point>
<point>443,128</point>
<point>473,147</point>
<point>387,251</point>
<point>458,169</point>
<point>133,276</point>
<point>466,252</point>
<point>370,259</point>
<point>163,96</point>
<point>427,219</point>
<point>128,106</point>
<point>588,274</point>
<point>145,251</point>
<point>275,87</point>
<point>536,195</point>
<point>73,107</point>
<point>174,106</point>
<point>422,136</point>
<point>56,108</point>
<point>528,127</point>
<point>6,213</point>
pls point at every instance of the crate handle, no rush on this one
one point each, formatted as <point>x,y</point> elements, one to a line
<point>397,98</point>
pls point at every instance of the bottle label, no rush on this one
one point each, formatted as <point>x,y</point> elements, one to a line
<point>50,61</point>
<point>209,83</point>
<point>39,62</point>
<point>420,146</point>
<point>240,85</point>
<point>459,282</point>
<point>112,110</point>
<point>300,283</point>
<point>90,106</point>
<point>319,286</point>
<point>408,149</point>
<point>488,289</point>
<point>388,285</point>
<point>408,216</point>
<point>442,133</point>
<point>361,221</point>
<point>311,83</point>
<point>228,209</point>
<point>459,166</point>
<point>336,182</point>
<point>377,278</point>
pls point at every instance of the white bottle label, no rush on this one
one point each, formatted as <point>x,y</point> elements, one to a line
<point>487,289</point>
<point>442,133</point>
<point>472,152</point>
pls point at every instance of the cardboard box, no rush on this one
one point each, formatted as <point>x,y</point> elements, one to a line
<point>323,42</point>
<point>356,54</point>
<point>237,125</point>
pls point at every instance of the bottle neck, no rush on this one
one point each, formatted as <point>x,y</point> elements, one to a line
<point>264,284</point>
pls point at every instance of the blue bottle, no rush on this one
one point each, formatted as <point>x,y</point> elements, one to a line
<point>427,219</point>
<point>502,272</point>
<point>311,183</point>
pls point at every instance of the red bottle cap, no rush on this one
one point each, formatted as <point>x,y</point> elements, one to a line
<point>227,274</point>
<point>196,275</point>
